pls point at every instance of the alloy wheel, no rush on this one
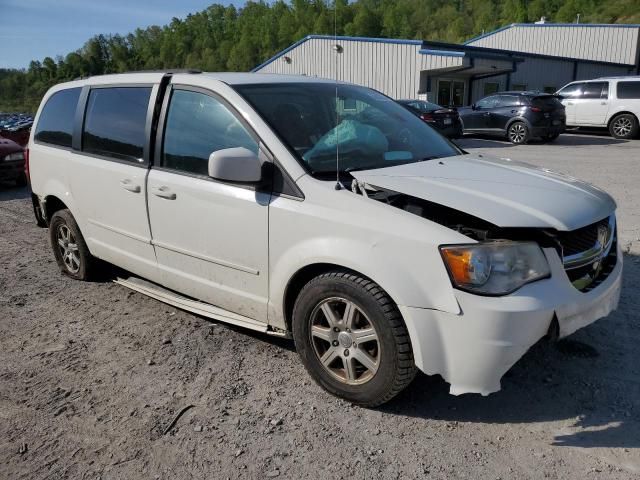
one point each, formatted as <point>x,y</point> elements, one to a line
<point>345,341</point>
<point>622,127</point>
<point>68,248</point>
<point>517,133</point>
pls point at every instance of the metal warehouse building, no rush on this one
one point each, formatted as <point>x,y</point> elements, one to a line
<point>540,56</point>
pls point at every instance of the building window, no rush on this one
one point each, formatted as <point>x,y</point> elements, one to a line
<point>549,89</point>
<point>519,87</point>
<point>349,104</point>
<point>490,87</point>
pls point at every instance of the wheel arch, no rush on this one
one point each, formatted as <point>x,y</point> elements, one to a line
<point>513,120</point>
<point>621,112</point>
<point>303,276</point>
<point>52,205</point>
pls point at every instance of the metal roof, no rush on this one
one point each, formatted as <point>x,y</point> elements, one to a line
<point>614,44</point>
<point>553,25</point>
<point>457,50</point>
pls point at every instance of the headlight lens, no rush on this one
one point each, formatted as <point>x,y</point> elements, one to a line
<point>14,156</point>
<point>495,268</point>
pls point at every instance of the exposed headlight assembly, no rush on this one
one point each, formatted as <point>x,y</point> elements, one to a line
<point>14,156</point>
<point>494,268</point>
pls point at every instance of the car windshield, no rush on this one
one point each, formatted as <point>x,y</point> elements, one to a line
<point>366,129</point>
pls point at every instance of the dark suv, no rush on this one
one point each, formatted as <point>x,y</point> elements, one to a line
<point>518,116</point>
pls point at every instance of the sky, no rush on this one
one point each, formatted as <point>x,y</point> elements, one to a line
<point>34,29</point>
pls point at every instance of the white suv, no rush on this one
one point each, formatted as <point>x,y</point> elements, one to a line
<point>612,102</point>
<point>323,212</point>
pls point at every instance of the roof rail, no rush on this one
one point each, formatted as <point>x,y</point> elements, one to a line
<point>168,71</point>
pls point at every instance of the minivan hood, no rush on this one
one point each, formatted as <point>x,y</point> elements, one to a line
<point>501,191</point>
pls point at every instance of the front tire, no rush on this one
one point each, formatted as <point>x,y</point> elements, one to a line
<point>624,126</point>
<point>352,339</point>
<point>69,248</point>
<point>518,133</point>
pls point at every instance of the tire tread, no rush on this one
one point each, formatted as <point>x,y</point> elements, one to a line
<point>405,370</point>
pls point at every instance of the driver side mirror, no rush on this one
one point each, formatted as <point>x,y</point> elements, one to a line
<point>238,165</point>
<point>474,106</point>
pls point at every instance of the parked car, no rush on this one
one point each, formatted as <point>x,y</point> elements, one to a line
<point>12,162</point>
<point>351,226</point>
<point>611,102</point>
<point>518,116</point>
<point>445,120</point>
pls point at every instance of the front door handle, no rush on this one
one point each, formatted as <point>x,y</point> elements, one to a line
<point>569,103</point>
<point>603,103</point>
<point>164,192</point>
<point>130,186</point>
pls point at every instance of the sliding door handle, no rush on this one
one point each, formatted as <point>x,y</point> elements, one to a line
<point>130,186</point>
<point>163,192</point>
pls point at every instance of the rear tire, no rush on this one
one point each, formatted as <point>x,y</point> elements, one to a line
<point>624,126</point>
<point>69,248</point>
<point>352,339</point>
<point>518,133</point>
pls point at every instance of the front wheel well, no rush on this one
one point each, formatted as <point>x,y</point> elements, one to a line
<point>52,205</point>
<point>301,278</point>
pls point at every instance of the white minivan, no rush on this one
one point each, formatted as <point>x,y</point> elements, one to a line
<point>324,212</point>
<point>612,102</point>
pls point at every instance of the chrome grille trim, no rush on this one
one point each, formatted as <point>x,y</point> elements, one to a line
<point>599,251</point>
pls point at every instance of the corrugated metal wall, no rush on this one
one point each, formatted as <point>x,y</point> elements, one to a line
<point>394,68</point>
<point>539,73</point>
<point>588,71</point>
<point>601,43</point>
<point>391,68</point>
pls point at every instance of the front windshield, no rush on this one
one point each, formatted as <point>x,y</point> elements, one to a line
<point>365,128</point>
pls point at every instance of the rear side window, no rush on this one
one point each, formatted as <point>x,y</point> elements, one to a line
<point>115,122</point>
<point>55,124</point>
<point>198,125</point>
<point>595,90</point>
<point>486,103</point>
<point>628,90</point>
<point>507,101</point>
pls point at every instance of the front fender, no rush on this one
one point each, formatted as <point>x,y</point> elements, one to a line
<point>393,248</point>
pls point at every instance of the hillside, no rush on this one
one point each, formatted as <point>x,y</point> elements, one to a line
<point>227,38</point>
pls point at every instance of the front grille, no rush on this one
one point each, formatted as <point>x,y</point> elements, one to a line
<point>587,258</point>
<point>586,278</point>
<point>580,240</point>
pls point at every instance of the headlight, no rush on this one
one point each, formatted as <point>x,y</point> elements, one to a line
<point>14,156</point>
<point>494,268</point>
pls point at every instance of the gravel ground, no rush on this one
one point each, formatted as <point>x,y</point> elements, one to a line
<point>91,375</point>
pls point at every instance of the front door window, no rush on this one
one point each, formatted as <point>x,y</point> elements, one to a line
<point>451,93</point>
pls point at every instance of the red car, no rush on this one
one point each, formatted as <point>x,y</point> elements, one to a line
<point>12,162</point>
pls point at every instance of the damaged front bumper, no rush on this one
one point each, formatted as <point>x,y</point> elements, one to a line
<point>474,349</point>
